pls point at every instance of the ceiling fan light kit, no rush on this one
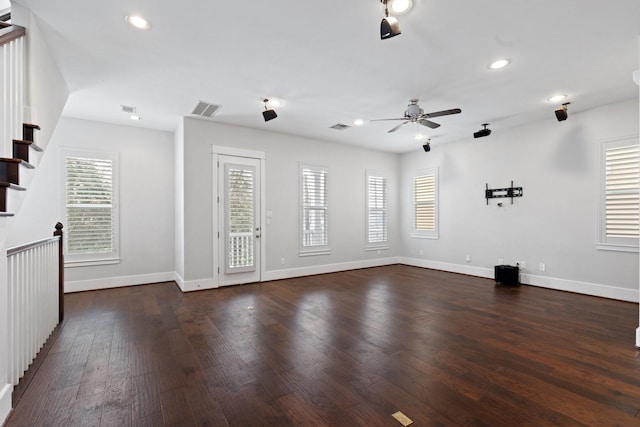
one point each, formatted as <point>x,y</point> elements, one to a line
<point>415,114</point>
<point>389,27</point>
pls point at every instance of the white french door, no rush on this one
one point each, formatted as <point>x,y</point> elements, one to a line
<point>239,216</point>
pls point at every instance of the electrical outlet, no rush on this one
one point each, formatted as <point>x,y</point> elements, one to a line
<point>500,261</point>
<point>523,264</point>
<point>542,267</point>
<point>281,261</point>
<point>421,252</point>
<point>379,251</point>
<point>468,258</point>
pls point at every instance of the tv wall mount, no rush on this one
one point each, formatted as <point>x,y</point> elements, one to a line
<point>497,193</point>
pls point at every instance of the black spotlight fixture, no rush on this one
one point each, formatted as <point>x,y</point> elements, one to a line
<point>561,112</point>
<point>427,146</point>
<point>389,27</point>
<point>267,113</point>
<point>482,132</point>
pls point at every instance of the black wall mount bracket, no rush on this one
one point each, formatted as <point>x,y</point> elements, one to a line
<point>496,193</point>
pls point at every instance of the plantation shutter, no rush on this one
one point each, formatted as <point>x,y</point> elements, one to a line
<point>621,191</point>
<point>315,230</point>
<point>377,209</point>
<point>424,200</point>
<point>89,206</point>
<point>240,217</point>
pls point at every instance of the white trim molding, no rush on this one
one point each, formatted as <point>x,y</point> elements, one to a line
<point>117,282</point>
<point>328,268</point>
<point>638,337</point>
<point>593,289</point>
<point>451,268</point>
<point>5,402</point>
<point>636,77</point>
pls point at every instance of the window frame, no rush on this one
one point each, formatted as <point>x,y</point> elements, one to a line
<point>383,244</point>
<point>95,258</point>
<point>315,249</point>
<point>620,244</point>
<point>425,234</point>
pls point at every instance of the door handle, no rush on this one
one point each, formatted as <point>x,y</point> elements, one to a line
<point>258,234</point>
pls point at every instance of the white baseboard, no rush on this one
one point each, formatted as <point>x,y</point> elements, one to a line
<point>327,268</point>
<point>593,289</point>
<point>638,337</point>
<point>195,285</point>
<point>5,402</point>
<point>117,282</point>
<point>445,266</point>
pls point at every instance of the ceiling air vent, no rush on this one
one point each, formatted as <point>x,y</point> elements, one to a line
<point>340,126</point>
<point>128,109</point>
<point>205,109</point>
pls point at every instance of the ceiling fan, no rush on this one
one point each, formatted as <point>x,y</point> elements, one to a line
<point>415,114</point>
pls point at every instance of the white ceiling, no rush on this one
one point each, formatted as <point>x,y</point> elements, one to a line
<point>325,59</point>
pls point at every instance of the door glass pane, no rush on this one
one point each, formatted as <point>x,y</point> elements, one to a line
<point>240,188</point>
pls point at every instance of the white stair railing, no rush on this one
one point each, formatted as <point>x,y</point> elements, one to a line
<point>13,84</point>
<point>34,283</point>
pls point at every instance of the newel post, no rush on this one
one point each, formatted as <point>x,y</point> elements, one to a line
<point>58,232</point>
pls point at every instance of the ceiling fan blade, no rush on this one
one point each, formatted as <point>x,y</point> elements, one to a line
<point>384,120</point>
<point>428,123</point>
<point>442,113</point>
<point>397,127</point>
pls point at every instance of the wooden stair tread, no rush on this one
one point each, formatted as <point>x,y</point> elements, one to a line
<point>29,125</point>
<point>29,143</point>
<point>12,186</point>
<point>5,214</point>
<point>12,160</point>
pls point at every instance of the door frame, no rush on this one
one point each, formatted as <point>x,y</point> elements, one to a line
<point>218,151</point>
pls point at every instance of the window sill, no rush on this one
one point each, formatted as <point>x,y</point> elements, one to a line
<point>424,236</point>
<point>377,248</point>
<point>616,248</point>
<point>314,253</point>
<point>90,263</point>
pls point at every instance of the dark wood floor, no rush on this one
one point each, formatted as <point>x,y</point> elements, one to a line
<point>344,349</point>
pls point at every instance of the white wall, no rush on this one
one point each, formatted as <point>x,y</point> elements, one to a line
<point>146,202</point>
<point>283,153</point>
<point>47,90</point>
<point>555,222</point>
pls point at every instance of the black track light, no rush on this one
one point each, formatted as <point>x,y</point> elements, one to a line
<point>267,113</point>
<point>389,27</point>
<point>561,112</point>
<point>482,132</point>
<point>426,146</point>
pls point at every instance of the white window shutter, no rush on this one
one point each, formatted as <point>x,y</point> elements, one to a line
<point>376,210</point>
<point>89,206</point>
<point>315,230</point>
<point>424,199</point>
<point>621,191</point>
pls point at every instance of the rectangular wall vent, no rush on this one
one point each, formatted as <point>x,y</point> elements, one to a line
<point>205,109</point>
<point>340,126</point>
<point>128,109</point>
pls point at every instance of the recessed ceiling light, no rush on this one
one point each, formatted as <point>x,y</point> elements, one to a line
<point>135,117</point>
<point>398,7</point>
<point>419,136</point>
<point>274,102</point>
<point>138,22</point>
<point>500,63</point>
<point>358,122</point>
<point>557,98</point>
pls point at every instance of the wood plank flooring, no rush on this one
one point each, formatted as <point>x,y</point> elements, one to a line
<point>343,349</point>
